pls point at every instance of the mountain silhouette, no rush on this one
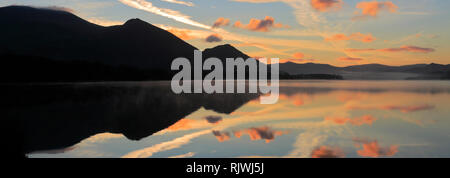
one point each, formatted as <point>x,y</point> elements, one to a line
<point>371,71</point>
<point>223,51</point>
<point>61,35</point>
<point>63,47</point>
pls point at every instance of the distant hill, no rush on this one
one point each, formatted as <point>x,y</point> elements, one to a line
<point>371,71</point>
<point>223,51</point>
<point>60,43</point>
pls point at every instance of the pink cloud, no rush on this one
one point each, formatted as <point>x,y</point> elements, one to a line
<point>358,121</point>
<point>259,133</point>
<point>263,25</point>
<point>221,22</point>
<point>221,136</point>
<point>326,5</point>
<point>355,37</point>
<point>373,149</point>
<point>327,152</point>
<point>414,49</point>
<point>373,8</point>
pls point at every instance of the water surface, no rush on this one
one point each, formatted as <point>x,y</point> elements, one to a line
<point>311,119</point>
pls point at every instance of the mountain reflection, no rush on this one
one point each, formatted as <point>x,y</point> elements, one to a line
<point>319,119</point>
<point>59,116</point>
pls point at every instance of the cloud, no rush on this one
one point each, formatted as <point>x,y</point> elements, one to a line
<point>59,8</point>
<point>56,151</point>
<point>296,60</point>
<point>263,25</point>
<point>213,38</point>
<point>104,22</point>
<point>408,109</point>
<point>185,34</point>
<point>360,50</point>
<point>404,109</point>
<point>371,9</point>
<point>164,146</point>
<point>358,121</point>
<point>257,1</point>
<point>327,152</point>
<point>408,49</point>
<point>186,155</point>
<point>221,22</point>
<point>182,124</point>
<point>298,55</point>
<point>373,149</point>
<point>352,59</point>
<point>102,137</point>
<point>260,112</point>
<point>213,119</point>
<point>182,34</point>
<point>326,5</point>
<point>175,15</point>
<point>259,133</point>
<point>221,136</point>
<point>414,49</point>
<point>355,37</point>
<point>180,2</point>
<point>303,10</point>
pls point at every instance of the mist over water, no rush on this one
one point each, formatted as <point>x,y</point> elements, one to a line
<point>311,119</point>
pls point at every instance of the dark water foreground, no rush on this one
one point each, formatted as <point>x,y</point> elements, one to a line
<point>311,119</point>
<point>48,116</point>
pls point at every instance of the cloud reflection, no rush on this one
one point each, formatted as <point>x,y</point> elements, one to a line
<point>327,152</point>
<point>358,121</point>
<point>371,148</point>
<point>259,133</point>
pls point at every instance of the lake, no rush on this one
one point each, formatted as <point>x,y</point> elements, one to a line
<point>311,119</point>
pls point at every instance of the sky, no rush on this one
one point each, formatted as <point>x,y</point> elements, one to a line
<point>336,32</point>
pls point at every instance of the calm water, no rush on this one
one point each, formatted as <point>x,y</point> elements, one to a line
<point>311,119</point>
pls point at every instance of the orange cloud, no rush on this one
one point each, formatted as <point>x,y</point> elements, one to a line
<point>327,152</point>
<point>213,38</point>
<point>358,121</point>
<point>263,25</point>
<point>259,133</point>
<point>221,136</point>
<point>355,37</point>
<point>298,55</point>
<point>360,50</point>
<point>326,5</point>
<point>296,99</point>
<point>182,34</point>
<point>372,149</point>
<point>221,22</point>
<point>414,49</point>
<point>297,58</point>
<point>373,8</point>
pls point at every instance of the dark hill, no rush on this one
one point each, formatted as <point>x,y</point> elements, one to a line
<point>61,35</point>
